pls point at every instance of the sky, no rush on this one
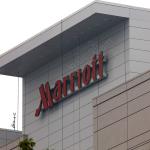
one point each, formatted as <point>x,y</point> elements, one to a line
<point>20,20</point>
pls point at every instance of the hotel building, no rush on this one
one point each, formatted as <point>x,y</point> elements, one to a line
<point>86,80</point>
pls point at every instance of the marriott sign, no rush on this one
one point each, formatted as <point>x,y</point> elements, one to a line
<point>71,84</point>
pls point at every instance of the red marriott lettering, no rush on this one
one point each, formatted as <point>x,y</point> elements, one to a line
<point>70,84</point>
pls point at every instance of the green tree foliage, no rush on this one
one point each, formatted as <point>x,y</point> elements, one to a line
<point>27,144</point>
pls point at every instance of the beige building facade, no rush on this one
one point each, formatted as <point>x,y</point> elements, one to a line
<point>122,116</point>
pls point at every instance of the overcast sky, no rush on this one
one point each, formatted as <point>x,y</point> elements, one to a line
<point>20,20</point>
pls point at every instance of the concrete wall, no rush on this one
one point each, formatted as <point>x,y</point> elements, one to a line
<point>139,45</point>
<point>12,145</point>
<point>121,116</point>
<point>69,125</point>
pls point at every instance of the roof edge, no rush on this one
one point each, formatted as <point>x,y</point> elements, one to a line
<point>69,16</point>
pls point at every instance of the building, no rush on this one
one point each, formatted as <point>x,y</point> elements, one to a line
<point>9,139</point>
<point>121,116</point>
<point>66,70</point>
